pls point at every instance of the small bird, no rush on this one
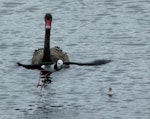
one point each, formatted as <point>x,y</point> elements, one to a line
<point>45,68</point>
<point>59,64</point>
<point>110,93</point>
<point>53,67</point>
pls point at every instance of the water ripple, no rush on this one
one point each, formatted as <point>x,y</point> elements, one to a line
<point>117,30</point>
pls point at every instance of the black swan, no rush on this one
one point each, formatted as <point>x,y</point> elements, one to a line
<point>54,59</point>
<point>48,54</point>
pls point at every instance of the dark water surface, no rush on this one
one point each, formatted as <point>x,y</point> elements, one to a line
<point>86,30</point>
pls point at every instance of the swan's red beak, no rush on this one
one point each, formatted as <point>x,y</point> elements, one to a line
<point>48,23</point>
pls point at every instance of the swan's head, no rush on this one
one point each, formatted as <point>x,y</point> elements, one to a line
<point>48,20</point>
<point>48,16</point>
<point>59,64</point>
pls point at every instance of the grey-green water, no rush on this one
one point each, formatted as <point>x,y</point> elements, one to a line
<point>86,30</point>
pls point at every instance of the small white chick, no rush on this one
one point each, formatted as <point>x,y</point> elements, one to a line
<point>110,93</point>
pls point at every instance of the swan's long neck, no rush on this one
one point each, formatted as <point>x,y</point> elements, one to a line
<point>46,52</point>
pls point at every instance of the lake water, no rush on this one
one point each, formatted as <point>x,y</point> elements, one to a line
<point>87,30</point>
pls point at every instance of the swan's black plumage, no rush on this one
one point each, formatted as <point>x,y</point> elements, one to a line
<point>30,66</point>
<point>38,66</point>
<point>46,52</point>
<point>95,62</point>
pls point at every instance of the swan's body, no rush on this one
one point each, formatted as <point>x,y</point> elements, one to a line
<point>56,54</point>
<point>48,54</point>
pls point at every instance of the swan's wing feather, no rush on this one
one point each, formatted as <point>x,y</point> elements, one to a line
<point>95,62</point>
<point>32,66</point>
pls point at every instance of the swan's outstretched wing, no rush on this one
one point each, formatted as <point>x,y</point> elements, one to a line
<point>32,66</point>
<point>95,62</point>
